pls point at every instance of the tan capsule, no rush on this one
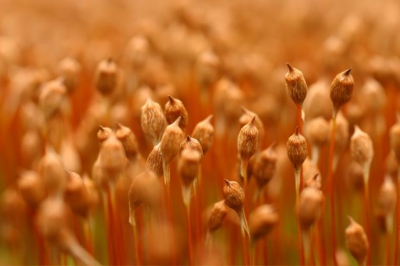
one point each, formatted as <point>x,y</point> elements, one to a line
<point>354,176</point>
<point>51,97</point>
<point>103,133</point>
<point>217,216</point>
<point>191,143</point>
<point>387,196</point>
<point>297,150</point>
<point>76,195</point>
<point>204,133</point>
<point>317,131</point>
<point>309,208</point>
<point>361,148</point>
<point>395,140</point>
<point>261,221</point>
<point>174,108</point>
<point>31,188</point>
<point>234,195</point>
<point>318,102</point>
<point>234,199</point>
<point>112,158</point>
<point>263,166</point>
<point>128,139</point>
<point>145,189</point>
<point>188,165</point>
<point>31,147</point>
<point>53,173</point>
<point>342,135</point>
<point>357,241</point>
<point>106,77</point>
<point>154,161</point>
<point>171,141</point>
<point>247,142</point>
<point>296,85</point>
<point>342,89</point>
<point>70,69</point>
<point>247,116</point>
<point>152,121</point>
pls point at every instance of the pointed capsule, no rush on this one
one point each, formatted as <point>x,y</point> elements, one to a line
<point>70,70</point>
<point>309,208</point>
<point>261,221</point>
<point>112,158</point>
<point>357,241</point>
<point>51,97</point>
<point>361,148</point>
<point>174,108</point>
<point>317,131</point>
<point>217,216</point>
<point>188,165</point>
<point>107,76</point>
<point>152,121</point>
<point>247,142</point>
<point>247,116</point>
<point>263,166</point>
<point>171,141</point>
<point>297,150</point>
<point>103,133</point>
<point>296,85</point>
<point>204,133</point>
<point>128,139</point>
<point>342,89</point>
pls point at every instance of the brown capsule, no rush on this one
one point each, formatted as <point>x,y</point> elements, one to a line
<point>318,102</point>
<point>217,216</point>
<point>188,165</point>
<point>234,195</point>
<point>234,199</point>
<point>106,76</point>
<point>395,140</point>
<point>317,131</point>
<point>387,197</point>
<point>261,221</point>
<point>247,142</point>
<point>51,97</point>
<point>145,189</point>
<point>204,133</point>
<point>31,188</point>
<point>103,133</point>
<point>263,166</point>
<point>361,148</point>
<point>296,85</point>
<point>77,196</point>
<point>154,161</point>
<point>341,89</point>
<point>342,135</point>
<point>357,241</point>
<point>70,155</point>
<point>309,208</point>
<point>174,108</point>
<point>191,143</point>
<point>70,69</point>
<point>297,150</point>
<point>53,173</point>
<point>153,121</point>
<point>392,164</point>
<point>128,139</point>
<point>112,158</point>
<point>247,116</point>
<point>171,141</point>
<point>354,176</point>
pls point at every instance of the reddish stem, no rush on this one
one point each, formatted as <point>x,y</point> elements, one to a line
<point>189,233</point>
<point>331,188</point>
<point>367,221</point>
